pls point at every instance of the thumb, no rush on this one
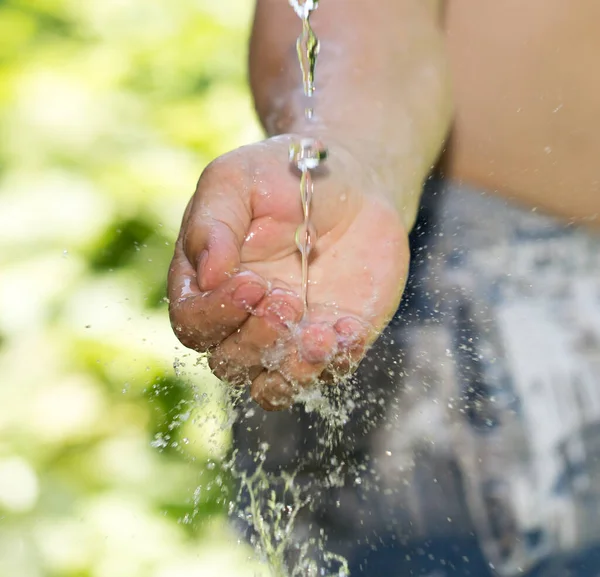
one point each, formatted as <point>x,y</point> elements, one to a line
<point>217,224</point>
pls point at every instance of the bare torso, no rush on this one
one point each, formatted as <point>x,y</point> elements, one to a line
<point>527,95</point>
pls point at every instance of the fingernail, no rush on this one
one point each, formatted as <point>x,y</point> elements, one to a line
<point>318,344</point>
<point>279,310</point>
<point>282,312</point>
<point>248,295</point>
<point>350,331</point>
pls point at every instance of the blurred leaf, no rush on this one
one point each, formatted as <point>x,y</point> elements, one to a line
<point>120,243</point>
<point>109,110</point>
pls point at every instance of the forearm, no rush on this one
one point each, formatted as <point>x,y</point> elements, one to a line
<point>381,79</point>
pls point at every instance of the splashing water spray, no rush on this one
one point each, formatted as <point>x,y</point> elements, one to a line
<point>273,516</point>
<point>269,504</point>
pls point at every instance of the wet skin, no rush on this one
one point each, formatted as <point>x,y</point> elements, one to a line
<point>235,278</point>
<point>527,105</point>
<point>526,126</point>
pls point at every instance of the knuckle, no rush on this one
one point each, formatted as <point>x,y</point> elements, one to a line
<point>223,368</point>
<point>187,336</point>
<point>214,170</point>
<point>230,167</point>
<point>188,341</point>
<point>216,364</point>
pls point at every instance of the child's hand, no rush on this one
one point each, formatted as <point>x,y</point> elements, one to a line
<point>235,279</point>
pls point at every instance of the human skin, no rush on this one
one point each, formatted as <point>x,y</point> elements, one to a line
<point>383,107</point>
<point>527,111</point>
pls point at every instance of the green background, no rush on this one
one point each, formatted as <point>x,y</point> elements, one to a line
<point>109,457</point>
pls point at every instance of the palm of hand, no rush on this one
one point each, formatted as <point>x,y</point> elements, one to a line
<point>235,280</point>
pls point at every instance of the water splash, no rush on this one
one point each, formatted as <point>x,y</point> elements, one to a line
<point>273,507</point>
<point>273,504</point>
<point>270,503</point>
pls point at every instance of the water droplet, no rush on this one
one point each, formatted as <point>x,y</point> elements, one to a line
<point>306,236</point>
<point>304,7</point>
<point>307,154</point>
<point>160,442</point>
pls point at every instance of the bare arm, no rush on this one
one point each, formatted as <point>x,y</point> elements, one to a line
<point>382,84</point>
<point>382,106</point>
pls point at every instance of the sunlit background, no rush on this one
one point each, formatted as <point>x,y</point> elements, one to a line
<point>109,457</point>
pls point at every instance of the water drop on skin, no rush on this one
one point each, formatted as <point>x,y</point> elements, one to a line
<point>307,154</point>
<point>303,8</point>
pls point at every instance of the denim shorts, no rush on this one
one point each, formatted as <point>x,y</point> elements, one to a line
<point>472,439</point>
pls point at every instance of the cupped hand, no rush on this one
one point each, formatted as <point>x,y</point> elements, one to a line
<point>235,278</point>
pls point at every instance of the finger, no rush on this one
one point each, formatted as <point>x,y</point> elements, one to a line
<point>332,350</point>
<point>315,345</point>
<point>317,342</point>
<point>203,319</point>
<point>323,361</point>
<point>318,345</point>
<point>230,371</point>
<point>272,392</point>
<point>353,336</point>
<point>262,340</point>
<point>218,222</point>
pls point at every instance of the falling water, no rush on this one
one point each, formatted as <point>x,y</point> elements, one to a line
<point>273,516</point>
<point>269,502</point>
<point>307,154</point>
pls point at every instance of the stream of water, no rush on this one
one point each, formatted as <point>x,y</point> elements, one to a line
<point>270,503</point>
<point>307,154</point>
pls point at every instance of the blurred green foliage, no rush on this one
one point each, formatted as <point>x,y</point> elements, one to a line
<point>109,110</point>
